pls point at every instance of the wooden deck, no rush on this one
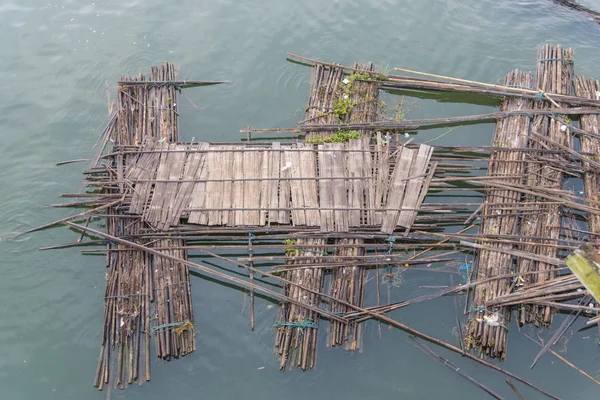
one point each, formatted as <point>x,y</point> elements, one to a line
<point>334,186</point>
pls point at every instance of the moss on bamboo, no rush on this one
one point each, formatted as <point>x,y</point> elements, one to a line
<point>341,136</point>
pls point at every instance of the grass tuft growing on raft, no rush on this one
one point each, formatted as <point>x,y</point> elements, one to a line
<point>341,136</point>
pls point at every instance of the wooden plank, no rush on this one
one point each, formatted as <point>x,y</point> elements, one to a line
<point>237,200</point>
<point>413,187</point>
<point>397,188</point>
<point>284,189</point>
<point>192,164</point>
<point>325,188</point>
<point>144,170</point>
<point>177,163</point>
<point>265,186</point>
<point>340,196</point>
<point>297,171</point>
<point>214,189</point>
<point>309,187</point>
<point>251,198</point>
<point>152,212</point>
<point>225,161</point>
<point>274,216</point>
<point>382,172</point>
<point>368,185</point>
<point>355,168</point>
<point>198,197</point>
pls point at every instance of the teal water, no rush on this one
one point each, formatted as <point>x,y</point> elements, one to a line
<point>57,58</point>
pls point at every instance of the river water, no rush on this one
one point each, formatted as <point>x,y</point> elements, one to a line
<point>57,58</point>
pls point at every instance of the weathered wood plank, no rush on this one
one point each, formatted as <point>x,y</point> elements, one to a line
<point>225,164</point>
<point>309,187</point>
<point>355,169</point>
<point>397,189</point>
<point>153,210</point>
<point>382,177</point>
<point>238,188</point>
<point>275,169</point>
<point>214,189</point>
<point>284,189</point>
<point>340,196</point>
<point>177,163</point>
<point>325,188</point>
<point>368,185</point>
<point>297,171</point>
<point>252,169</point>
<point>265,187</point>
<point>145,169</point>
<point>413,187</point>
<point>198,196</point>
<point>182,198</point>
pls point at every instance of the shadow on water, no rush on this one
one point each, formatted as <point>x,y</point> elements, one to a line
<point>447,97</point>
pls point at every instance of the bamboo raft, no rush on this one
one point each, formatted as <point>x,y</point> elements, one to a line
<point>344,196</point>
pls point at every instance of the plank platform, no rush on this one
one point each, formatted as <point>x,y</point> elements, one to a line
<point>328,185</point>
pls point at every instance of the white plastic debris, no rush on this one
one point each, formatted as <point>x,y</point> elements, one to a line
<point>346,81</point>
<point>491,320</point>
<point>345,96</point>
<point>563,128</point>
<point>287,166</point>
<point>122,323</point>
<point>406,135</point>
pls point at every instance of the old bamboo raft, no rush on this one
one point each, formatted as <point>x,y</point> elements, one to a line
<point>344,196</point>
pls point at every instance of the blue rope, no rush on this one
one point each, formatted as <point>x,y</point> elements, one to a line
<point>391,240</point>
<point>307,323</point>
<point>167,83</point>
<point>477,309</point>
<point>250,237</point>
<point>557,59</point>
<point>539,96</point>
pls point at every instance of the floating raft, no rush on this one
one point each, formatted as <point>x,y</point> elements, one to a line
<point>344,196</point>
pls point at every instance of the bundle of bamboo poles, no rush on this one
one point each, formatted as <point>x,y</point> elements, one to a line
<point>145,108</point>
<point>174,330</point>
<point>591,123</point>
<point>126,313</point>
<point>347,284</point>
<point>336,98</point>
<point>297,326</point>
<point>554,75</point>
<point>498,220</point>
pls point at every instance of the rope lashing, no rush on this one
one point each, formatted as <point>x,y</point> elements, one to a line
<point>539,96</point>
<point>165,327</point>
<point>391,240</point>
<point>477,309</point>
<point>177,327</point>
<point>161,84</point>
<point>567,60</point>
<point>307,323</point>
